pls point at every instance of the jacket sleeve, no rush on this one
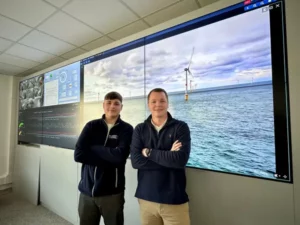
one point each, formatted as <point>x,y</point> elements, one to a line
<point>175,159</point>
<point>120,153</point>
<point>137,159</point>
<point>83,153</point>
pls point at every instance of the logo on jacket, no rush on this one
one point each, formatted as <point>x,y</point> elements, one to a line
<point>113,136</point>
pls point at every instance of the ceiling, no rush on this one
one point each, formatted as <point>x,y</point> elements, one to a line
<point>36,34</point>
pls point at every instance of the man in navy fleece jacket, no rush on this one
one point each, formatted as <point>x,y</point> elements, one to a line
<point>160,150</point>
<point>102,148</point>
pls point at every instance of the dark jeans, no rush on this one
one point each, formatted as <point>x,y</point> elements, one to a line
<point>110,207</point>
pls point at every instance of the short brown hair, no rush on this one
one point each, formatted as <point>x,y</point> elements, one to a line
<point>113,95</point>
<point>158,90</point>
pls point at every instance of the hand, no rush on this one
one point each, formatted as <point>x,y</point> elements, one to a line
<point>144,152</point>
<point>176,146</point>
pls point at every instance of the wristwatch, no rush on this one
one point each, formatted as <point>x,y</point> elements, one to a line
<point>148,152</point>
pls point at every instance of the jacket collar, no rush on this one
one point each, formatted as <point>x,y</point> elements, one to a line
<point>170,118</point>
<point>118,120</point>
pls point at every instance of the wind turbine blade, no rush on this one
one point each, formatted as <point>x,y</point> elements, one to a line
<point>191,58</point>
<point>190,73</point>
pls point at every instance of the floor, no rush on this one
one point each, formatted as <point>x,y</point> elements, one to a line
<point>14,211</point>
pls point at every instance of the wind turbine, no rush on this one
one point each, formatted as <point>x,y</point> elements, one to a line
<point>191,85</point>
<point>191,80</point>
<point>187,72</point>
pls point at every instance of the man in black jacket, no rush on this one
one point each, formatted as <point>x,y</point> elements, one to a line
<point>160,150</point>
<point>102,148</point>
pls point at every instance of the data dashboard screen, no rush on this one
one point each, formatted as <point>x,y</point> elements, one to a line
<point>62,86</point>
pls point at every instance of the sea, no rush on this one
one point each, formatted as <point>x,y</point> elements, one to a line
<point>232,129</point>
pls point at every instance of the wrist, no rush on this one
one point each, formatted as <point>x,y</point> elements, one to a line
<point>147,152</point>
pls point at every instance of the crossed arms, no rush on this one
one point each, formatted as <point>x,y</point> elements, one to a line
<point>161,158</point>
<point>99,155</point>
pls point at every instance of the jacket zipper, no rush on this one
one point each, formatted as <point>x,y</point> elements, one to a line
<point>157,134</point>
<point>96,166</point>
<point>94,181</point>
<point>116,183</point>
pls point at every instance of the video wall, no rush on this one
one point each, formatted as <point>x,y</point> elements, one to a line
<point>226,77</point>
<point>49,108</point>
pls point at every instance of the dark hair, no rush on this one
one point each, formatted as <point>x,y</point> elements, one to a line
<point>158,90</point>
<point>113,95</point>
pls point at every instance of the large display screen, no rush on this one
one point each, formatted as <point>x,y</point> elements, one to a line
<point>224,70</point>
<point>226,75</point>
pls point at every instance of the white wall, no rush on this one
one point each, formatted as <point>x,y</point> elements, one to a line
<point>216,198</point>
<point>7,131</point>
<point>26,173</point>
<point>59,180</point>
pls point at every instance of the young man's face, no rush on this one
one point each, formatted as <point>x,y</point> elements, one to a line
<point>112,108</point>
<point>158,104</point>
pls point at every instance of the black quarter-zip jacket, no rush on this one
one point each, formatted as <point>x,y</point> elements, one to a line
<point>161,176</point>
<point>103,156</point>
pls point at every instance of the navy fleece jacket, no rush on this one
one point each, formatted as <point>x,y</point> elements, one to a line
<point>103,156</point>
<point>161,176</point>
